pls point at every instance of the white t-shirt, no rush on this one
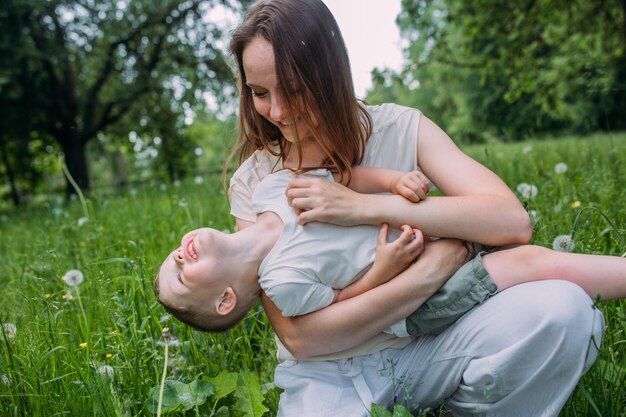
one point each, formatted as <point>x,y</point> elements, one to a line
<point>308,262</point>
<point>392,145</point>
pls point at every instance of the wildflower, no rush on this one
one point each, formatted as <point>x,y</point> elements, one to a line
<point>67,297</point>
<point>198,179</point>
<point>168,340</point>
<point>73,277</point>
<point>108,355</point>
<point>81,222</point>
<point>576,204</point>
<point>10,330</point>
<point>113,333</point>
<point>176,183</point>
<point>83,345</point>
<point>163,187</point>
<point>560,168</point>
<point>563,243</point>
<point>198,151</point>
<point>5,380</point>
<point>527,191</point>
<point>106,371</point>
<point>48,296</point>
<point>527,149</point>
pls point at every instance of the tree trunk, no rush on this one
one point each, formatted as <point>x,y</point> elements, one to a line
<point>75,152</point>
<point>15,195</point>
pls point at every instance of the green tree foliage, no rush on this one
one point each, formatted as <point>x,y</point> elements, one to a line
<point>508,69</point>
<point>75,69</point>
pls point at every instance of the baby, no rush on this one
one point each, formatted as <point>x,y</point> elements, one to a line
<point>212,279</point>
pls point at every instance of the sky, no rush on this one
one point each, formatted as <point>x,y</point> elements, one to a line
<point>371,35</point>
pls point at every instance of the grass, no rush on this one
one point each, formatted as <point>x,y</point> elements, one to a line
<point>66,338</point>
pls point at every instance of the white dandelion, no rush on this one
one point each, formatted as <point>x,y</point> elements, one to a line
<point>10,330</point>
<point>106,371</point>
<point>5,380</point>
<point>560,168</point>
<point>73,277</point>
<point>527,149</point>
<point>563,243</point>
<point>198,180</point>
<point>81,222</point>
<point>527,191</point>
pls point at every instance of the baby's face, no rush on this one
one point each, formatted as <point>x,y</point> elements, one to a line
<point>189,272</point>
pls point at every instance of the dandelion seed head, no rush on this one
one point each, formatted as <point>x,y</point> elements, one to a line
<point>177,183</point>
<point>82,221</point>
<point>527,149</point>
<point>527,191</point>
<point>165,317</point>
<point>198,180</point>
<point>106,371</point>
<point>560,168</point>
<point>563,243</point>
<point>73,277</point>
<point>5,380</point>
<point>10,330</point>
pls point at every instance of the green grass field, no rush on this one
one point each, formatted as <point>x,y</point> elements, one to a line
<point>96,349</point>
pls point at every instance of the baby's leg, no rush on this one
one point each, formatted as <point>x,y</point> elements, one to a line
<point>596,274</point>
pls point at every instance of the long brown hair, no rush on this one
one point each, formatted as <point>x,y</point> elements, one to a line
<point>310,58</point>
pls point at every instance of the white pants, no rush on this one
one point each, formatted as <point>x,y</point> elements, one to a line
<point>521,353</point>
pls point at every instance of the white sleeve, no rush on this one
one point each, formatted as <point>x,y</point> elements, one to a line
<point>244,181</point>
<point>297,298</point>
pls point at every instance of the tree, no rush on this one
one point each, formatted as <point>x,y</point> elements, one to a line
<point>97,62</point>
<point>509,69</point>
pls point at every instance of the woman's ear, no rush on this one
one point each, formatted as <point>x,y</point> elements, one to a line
<point>226,303</point>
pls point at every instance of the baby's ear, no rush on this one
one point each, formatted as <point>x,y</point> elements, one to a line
<point>226,302</point>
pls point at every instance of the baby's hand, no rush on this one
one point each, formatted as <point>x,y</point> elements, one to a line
<point>413,186</point>
<point>394,257</point>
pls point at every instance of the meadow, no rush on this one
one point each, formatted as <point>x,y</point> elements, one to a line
<point>96,347</point>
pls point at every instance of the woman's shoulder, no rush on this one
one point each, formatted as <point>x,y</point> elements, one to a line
<point>258,165</point>
<point>390,114</point>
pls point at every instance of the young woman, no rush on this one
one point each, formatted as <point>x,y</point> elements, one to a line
<point>521,352</point>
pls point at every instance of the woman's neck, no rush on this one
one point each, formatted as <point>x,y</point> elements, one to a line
<point>312,155</point>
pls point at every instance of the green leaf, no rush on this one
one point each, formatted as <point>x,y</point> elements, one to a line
<point>225,383</point>
<point>378,411</point>
<point>401,411</point>
<point>178,394</point>
<point>170,398</point>
<point>248,397</point>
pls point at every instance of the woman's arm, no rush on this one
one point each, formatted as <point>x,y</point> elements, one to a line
<point>477,206</point>
<point>348,323</point>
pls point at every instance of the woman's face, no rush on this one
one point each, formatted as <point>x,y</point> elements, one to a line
<point>261,78</point>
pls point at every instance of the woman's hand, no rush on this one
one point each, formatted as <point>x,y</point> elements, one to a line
<point>317,200</point>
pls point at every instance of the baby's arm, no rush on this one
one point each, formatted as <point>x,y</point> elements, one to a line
<point>411,185</point>
<point>391,259</point>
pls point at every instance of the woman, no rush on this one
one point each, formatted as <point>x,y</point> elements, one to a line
<point>520,353</point>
